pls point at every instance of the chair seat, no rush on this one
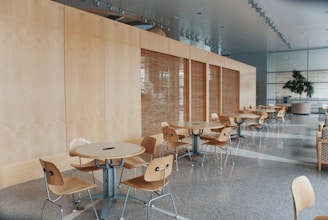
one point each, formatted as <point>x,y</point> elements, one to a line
<point>181,136</point>
<point>217,130</point>
<point>140,183</point>
<point>207,137</point>
<point>132,162</point>
<point>71,185</point>
<point>89,166</point>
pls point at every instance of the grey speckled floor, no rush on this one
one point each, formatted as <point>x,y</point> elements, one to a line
<point>257,186</point>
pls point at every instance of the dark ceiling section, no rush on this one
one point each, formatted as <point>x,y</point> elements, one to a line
<point>223,26</point>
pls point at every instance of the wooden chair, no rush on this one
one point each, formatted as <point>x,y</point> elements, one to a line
<point>222,143</point>
<point>322,146</point>
<point>280,118</point>
<point>165,124</point>
<point>228,121</point>
<point>155,180</point>
<point>62,186</point>
<point>89,166</point>
<point>214,131</point>
<point>174,144</point>
<point>303,196</point>
<point>260,125</point>
<point>149,143</point>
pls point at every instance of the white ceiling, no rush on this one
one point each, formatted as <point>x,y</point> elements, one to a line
<point>229,26</point>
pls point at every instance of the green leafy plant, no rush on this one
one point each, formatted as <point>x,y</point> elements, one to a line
<point>299,85</point>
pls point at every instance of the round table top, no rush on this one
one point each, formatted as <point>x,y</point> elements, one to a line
<point>109,150</point>
<point>196,124</point>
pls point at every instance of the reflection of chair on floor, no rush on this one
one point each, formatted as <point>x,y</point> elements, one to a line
<point>175,145</point>
<point>149,143</point>
<point>154,181</point>
<point>89,166</point>
<point>222,143</point>
<point>303,196</point>
<point>62,186</point>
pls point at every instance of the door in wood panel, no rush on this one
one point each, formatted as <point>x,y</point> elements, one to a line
<point>163,92</point>
<point>198,91</point>
<point>214,89</point>
<point>230,91</point>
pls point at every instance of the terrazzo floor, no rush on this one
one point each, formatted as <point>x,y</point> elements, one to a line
<point>256,186</point>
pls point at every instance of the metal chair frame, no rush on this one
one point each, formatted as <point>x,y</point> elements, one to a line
<point>158,171</point>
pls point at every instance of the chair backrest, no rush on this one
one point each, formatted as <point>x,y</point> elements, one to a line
<point>263,116</point>
<point>172,136</point>
<point>214,117</point>
<point>159,168</point>
<point>75,143</point>
<point>164,126</point>
<point>225,120</point>
<point>225,134</point>
<point>303,194</point>
<point>149,143</point>
<point>52,174</point>
<point>280,114</point>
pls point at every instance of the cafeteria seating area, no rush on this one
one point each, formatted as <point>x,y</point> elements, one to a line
<point>256,186</point>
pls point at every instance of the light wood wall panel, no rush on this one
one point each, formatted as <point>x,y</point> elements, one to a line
<point>32,97</point>
<point>84,75</point>
<point>247,86</point>
<point>122,82</point>
<point>154,42</point>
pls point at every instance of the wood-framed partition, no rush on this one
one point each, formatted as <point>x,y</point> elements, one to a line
<point>67,73</point>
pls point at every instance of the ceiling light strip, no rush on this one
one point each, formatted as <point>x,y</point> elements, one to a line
<point>269,21</point>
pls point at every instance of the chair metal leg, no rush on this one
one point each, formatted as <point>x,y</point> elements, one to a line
<point>126,199</point>
<point>119,185</point>
<point>93,204</point>
<point>161,196</point>
<point>53,202</point>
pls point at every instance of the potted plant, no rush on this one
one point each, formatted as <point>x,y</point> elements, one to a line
<point>300,85</point>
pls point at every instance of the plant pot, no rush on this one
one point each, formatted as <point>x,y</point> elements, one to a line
<point>302,108</point>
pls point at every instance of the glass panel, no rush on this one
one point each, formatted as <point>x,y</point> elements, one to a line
<point>318,59</point>
<point>287,61</point>
<point>280,65</point>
